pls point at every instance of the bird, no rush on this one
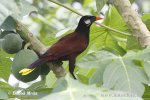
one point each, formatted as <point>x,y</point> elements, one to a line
<point>68,47</point>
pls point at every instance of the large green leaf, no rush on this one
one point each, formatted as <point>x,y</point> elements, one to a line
<point>37,85</point>
<point>5,90</point>
<point>5,65</point>
<point>35,91</point>
<point>3,95</point>
<point>145,60</point>
<point>102,38</point>
<point>6,86</point>
<point>131,1</point>
<point>9,24</point>
<point>97,77</point>
<point>7,9</point>
<point>133,43</point>
<point>147,23</point>
<point>74,90</point>
<point>15,8</point>
<point>146,20</point>
<point>24,8</point>
<point>50,79</point>
<point>95,59</point>
<point>122,73</point>
<point>146,95</point>
<point>5,68</point>
<point>100,4</point>
<point>1,43</point>
<point>146,16</point>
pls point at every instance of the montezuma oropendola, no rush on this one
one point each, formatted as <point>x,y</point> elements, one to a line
<point>68,47</point>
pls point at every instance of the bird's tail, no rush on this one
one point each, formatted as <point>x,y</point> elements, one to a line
<point>31,67</point>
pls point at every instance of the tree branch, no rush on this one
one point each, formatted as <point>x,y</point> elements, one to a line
<point>134,22</point>
<point>38,47</point>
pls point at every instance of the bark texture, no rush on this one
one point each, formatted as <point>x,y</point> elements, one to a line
<point>134,22</point>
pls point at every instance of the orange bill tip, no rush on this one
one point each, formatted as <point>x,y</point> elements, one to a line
<point>98,18</point>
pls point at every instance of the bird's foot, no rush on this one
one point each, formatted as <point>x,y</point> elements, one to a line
<point>73,76</point>
<point>26,71</point>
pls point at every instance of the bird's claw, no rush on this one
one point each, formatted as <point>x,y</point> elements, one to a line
<point>26,71</point>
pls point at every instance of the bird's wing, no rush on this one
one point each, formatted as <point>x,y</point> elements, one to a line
<point>70,44</point>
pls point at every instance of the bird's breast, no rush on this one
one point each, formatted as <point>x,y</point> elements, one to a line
<point>84,41</point>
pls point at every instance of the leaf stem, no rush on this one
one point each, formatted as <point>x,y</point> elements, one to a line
<point>112,29</point>
<point>78,13</point>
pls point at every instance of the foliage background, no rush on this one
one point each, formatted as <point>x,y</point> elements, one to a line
<point>114,63</point>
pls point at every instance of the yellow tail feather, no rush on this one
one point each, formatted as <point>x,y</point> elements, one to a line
<point>26,71</point>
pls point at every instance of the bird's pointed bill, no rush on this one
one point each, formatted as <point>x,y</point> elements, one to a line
<point>98,18</point>
<point>26,71</point>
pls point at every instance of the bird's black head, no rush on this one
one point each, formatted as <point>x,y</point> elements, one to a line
<point>87,20</point>
<point>85,23</point>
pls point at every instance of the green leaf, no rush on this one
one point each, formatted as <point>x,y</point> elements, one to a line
<point>122,73</point>
<point>43,92</point>
<point>83,74</point>
<point>95,59</point>
<point>3,95</point>
<point>60,86</point>
<point>147,23</point>
<point>15,8</point>
<point>36,86</point>
<point>40,88</point>
<point>7,8</point>
<point>50,79</point>
<point>9,24</point>
<point>145,60</point>
<point>146,95</point>
<point>100,4</point>
<point>1,43</point>
<point>146,65</point>
<point>5,68</point>
<point>83,79</point>
<point>101,38</point>
<point>6,86</point>
<point>146,20</point>
<point>114,20</point>
<point>133,43</point>
<point>97,77</point>
<point>24,8</point>
<point>146,16</point>
<point>132,1</point>
<point>77,91</point>
<point>5,65</point>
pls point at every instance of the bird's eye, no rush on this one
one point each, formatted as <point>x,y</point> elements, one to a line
<point>88,21</point>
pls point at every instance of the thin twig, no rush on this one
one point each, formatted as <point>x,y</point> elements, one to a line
<point>69,8</point>
<point>112,29</point>
<point>27,45</point>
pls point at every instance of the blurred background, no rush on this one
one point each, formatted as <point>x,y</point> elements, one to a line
<point>43,22</point>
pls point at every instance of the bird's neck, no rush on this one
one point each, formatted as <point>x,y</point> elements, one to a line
<point>83,30</point>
